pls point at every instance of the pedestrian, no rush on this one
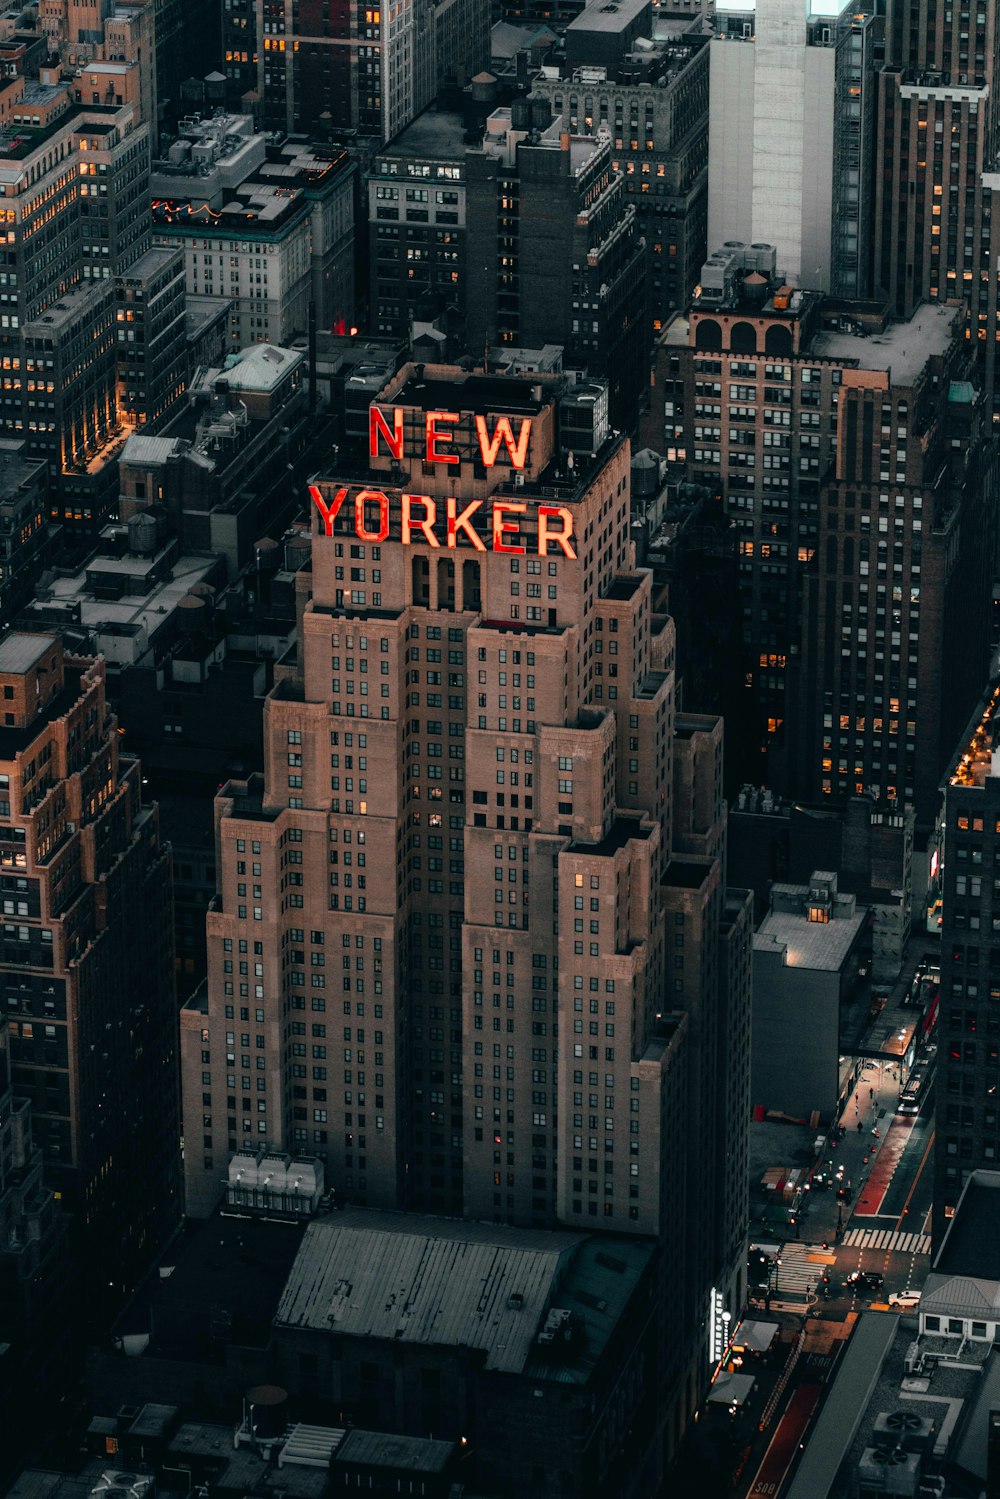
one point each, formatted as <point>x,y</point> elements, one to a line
<point>871,1092</point>
<point>860,1126</point>
<point>865,1161</point>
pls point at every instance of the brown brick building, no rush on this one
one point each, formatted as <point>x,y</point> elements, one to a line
<point>87,962</point>
<point>472,934</point>
<point>854,462</point>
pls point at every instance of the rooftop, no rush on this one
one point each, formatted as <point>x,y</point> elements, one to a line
<point>382,1449</point>
<point>623,830</point>
<point>609,15</point>
<point>258,368</point>
<point>477,393</point>
<point>19,652</point>
<point>17,471</point>
<point>228,1269</point>
<point>821,945</point>
<point>148,611</point>
<point>422,1280</point>
<point>426,1280</point>
<point>435,135</point>
<point>974,760</point>
<point>686,874</point>
<point>901,349</point>
<point>970,1245</point>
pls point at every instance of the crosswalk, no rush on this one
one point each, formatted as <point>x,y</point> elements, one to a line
<point>797,1276</point>
<point>887,1239</point>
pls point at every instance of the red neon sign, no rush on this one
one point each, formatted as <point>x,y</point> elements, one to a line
<point>420,520</point>
<point>439,437</point>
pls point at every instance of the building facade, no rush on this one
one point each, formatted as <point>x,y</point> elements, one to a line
<point>939,139</point>
<point>364,69</point>
<point>790,131</point>
<point>553,254</point>
<point>88,963</point>
<point>416,223</point>
<point>653,102</point>
<point>478,811</point>
<point>847,449</point>
<point>967,1121</point>
<point>269,226</point>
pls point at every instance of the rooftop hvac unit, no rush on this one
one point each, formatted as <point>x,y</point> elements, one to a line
<point>904,1429</point>
<point>914,1360</point>
<point>117,1484</point>
<point>889,1471</point>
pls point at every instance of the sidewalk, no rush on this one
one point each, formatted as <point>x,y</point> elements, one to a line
<point>872,1105</point>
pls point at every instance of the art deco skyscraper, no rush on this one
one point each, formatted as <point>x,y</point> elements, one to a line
<point>472,945</point>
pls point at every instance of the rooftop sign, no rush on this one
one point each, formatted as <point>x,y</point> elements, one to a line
<point>420,520</point>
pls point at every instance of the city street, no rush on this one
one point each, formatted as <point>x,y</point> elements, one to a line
<point>867,1213</point>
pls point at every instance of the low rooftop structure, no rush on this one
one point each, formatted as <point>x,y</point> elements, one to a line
<point>409,1279</point>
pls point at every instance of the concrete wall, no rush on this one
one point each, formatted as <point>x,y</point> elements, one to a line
<point>730,142</point>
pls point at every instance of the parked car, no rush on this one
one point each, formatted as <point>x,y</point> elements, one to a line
<point>904,1301</point>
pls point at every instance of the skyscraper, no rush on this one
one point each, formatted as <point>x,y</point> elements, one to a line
<point>966,1115</point>
<point>855,461</point>
<point>472,945</point>
<point>790,125</point>
<point>87,962</point>
<point>552,251</point>
<point>938,134</point>
<point>365,68</point>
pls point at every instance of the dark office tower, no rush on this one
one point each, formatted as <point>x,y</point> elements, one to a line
<point>35,1288</point>
<point>967,1113</point>
<point>651,96</point>
<point>369,68</point>
<point>896,603</point>
<point>239,50</point>
<point>937,134</point>
<point>552,254</point>
<point>473,947</point>
<point>151,344</point>
<point>188,41</point>
<point>416,221</point>
<point>24,536</point>
<point>87,962</point>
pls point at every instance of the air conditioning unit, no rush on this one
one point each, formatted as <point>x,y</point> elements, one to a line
<point>116,1484</point>
<point>914,1361</point>
<point>904,1429</point>
<point>884,1470</point>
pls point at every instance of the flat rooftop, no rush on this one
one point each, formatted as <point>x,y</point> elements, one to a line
<point>150,610</point>
<point>822,945</point>
<point>902,349</point>
<point>20,651</point>
<point>479,394</point>
<point>219,1267</point>
<point>434,135</point>
<point>623,830</point>
<point>383,1449</point>
<point>970,1245</point>
<point>609,15</point>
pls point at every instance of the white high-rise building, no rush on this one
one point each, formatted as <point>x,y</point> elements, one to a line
<point>787,143</point>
